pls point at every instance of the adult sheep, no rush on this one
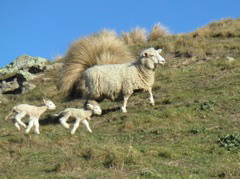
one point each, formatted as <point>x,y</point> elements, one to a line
<point>101,66</point>
<point>121,80</point>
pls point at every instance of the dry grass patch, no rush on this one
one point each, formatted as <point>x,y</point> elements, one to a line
<point>135,37</point>
<point>157,32</point>
<point>223,28</point>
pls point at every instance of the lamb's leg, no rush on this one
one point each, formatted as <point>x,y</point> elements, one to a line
<point>85,122</point>
<point>17,126</point>
<point>36,124</point>
<point>151,99</point>
<point>125,99</point>
<point>63,121</point>
<point>30,125</point>
<point>75,126</point>
<point>18,118</point>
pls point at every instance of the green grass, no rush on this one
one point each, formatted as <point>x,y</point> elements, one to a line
<point>197,108</point>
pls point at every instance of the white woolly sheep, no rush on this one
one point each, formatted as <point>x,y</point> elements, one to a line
<point>33,112</point>
<point>81,115</point>
<point>121,80</point>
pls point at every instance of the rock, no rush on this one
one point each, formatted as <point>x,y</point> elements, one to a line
<point>25,63</point>
<point>47,79</point>
<point>27,87</point>
<point>14,76</point>
<point>11,86</point>
<point>230,59</point>
<point>55,66</point>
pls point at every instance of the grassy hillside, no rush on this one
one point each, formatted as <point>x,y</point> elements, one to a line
<point>192,131</point>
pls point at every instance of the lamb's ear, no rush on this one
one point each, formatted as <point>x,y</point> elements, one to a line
<point>44,101</point>
<point>159,50</point>
<point>89,106</point>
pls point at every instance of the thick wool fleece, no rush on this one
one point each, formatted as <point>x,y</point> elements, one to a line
<point>113,81</point>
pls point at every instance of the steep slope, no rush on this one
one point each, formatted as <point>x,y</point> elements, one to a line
<point>197,97</point>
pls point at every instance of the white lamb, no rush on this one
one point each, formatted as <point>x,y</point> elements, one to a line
<point>81,115</point>
<point>33,112</point>
<point>121,80</point>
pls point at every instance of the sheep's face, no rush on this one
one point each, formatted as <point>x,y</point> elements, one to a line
<point>95,108</point>
<point>49,104</point>
<point>153,57</point>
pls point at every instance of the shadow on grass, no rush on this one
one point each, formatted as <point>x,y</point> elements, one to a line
<point>49,120</point>
<point>53,120</point>
<point>114,109</point>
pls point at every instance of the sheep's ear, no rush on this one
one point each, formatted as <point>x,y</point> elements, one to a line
<point>89,106</point>
<point>145,55</point>
<point>44,101</point>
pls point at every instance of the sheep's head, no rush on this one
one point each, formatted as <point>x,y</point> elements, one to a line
<point>49,104</point>
<point>150,58</point>
<point>94,106</point>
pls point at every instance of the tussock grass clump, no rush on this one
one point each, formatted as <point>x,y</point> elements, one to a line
<point>136,36</point>
<point>101,48</point>
<point>223,28</point>
<point>157,32</point>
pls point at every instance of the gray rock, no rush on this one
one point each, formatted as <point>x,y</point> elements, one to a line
<point>25,63</point>
<point>26,87</point>
<point>55,66</point>
<point>47,79</point>
<point>230,59</point>
<point>6,87</point>
<point>18,72</point>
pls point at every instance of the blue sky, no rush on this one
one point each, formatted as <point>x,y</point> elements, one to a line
<point>46,28</point>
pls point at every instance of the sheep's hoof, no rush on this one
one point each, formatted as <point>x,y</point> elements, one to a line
<point>124,110</point>
<point>152,104</point>
<point>66,125</point>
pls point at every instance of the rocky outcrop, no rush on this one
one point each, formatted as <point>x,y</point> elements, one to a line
<point>25,64</point>
<point>15,78</point>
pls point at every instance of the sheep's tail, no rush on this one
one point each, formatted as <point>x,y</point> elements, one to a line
<point>101,48</point>
<point>10,114</point>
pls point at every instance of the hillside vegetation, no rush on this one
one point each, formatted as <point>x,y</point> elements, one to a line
<point>192,131</point>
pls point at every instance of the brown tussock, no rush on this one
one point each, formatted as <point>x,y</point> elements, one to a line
<point>101,48</point>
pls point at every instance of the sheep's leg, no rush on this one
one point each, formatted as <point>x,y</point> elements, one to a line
<point>63,121</point>
<point>125,99</point>
<point>36,125</point>
<point>75,126</point>
<point>151,99</point>
<point>30,125</point>
<point>85,122</point>
<point>18,118</point>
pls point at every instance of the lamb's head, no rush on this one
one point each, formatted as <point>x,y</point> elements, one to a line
<point>94,106</point>
<point>49,104</point>
<point>150,58</point>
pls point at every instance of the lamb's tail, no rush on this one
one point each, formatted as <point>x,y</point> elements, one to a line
<point>101,48</point>
<point>10,114</point>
